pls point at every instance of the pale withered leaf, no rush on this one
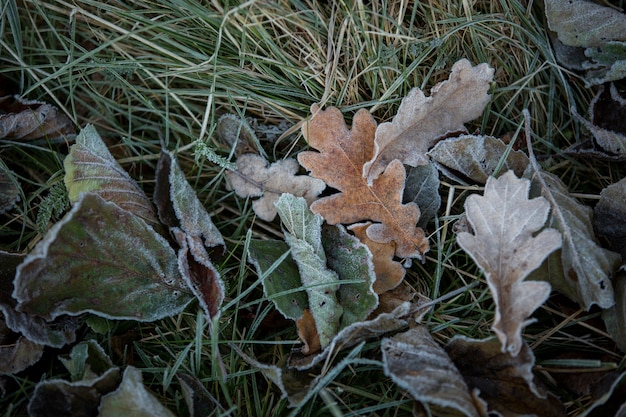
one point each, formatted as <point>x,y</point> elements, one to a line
<point>421,121</point>
<point>255,177</point>
<point>504,245</point>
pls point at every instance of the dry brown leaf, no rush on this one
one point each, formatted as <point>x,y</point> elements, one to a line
<point>339,163</point>
<point>422,120</point>
<point>505,247</point>
<point>307,332</point>
<point>254,178</point>
<point>389,273</point>
<point>29,119</point>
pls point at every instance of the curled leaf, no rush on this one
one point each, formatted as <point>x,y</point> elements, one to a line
<point>30,119</point>
<point>506,246</point>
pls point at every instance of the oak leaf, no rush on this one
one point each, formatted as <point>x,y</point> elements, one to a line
<point>254,178</point>
<point>339,162</point>
<point>506,247</point>
<point>421,121</point>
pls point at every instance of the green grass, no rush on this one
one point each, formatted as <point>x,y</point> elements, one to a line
<point>148,73</point>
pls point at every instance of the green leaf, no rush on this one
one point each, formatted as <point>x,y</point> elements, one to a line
<point>90,167</point>
<point>352,261</point>
<point>281,279</point>
<point>101,259</point>
<point>303,235</point>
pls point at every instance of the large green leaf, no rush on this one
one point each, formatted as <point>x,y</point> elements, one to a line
<point>352,261</point>
<point>281,279</point>
<point>101,259</point>
<point>303,235</point>
<point>90,167</point>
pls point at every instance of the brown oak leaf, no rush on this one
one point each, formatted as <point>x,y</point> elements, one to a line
<point>339,163</point>
<point>389,273</point>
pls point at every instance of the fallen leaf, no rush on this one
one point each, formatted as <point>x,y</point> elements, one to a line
<point>421,121</point>
<point>180,209</point>
<point>416,363</point>
<point>506,247</point>
<point>307,332</point>
<point>56,397</point>
<point>104,260</point>
<point>30,119</point>
<point>582,269</point>
<point>236,133</point>
<point>9,188</point>
<point>90,167</point>
<point>132,399</point>
<point>609,215</point>
<point>339,163</point>
<point>422,188</point>
<point>304,236</point>
<point>584,23</point>
<point>87,361</point>
<point>57,333</point>
<point>505,382</point>
<point>352,262</point>
<point>471,159</point>
<point>199,400</point>
<point>612,403</point>
<point>389,273</point>
<point>279,275</point>
<point>254,177</point>
<point>607,114</point>
<point>590,37</point>
<point>178,206</point>
<point>16,352</point>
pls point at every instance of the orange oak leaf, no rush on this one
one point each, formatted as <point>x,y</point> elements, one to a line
<point>389,273</point>
<point>339,163</point>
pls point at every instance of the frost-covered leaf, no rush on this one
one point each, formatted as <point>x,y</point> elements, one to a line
<point>56,333</point>
<point>57,397</point>
<point>422,188</point>
<point>180,209</point>
<point>179,206</point>
<point>236,133</point>
<point>612,403</point>
<point>254,177</point>
<point>281,279</point>
<point>87,360</point>
<point>505,382</point>
<point>607,121</point>
<point>421,121</point>
<point>9,188</point>
<point>505,247</point>
<point>339,162</point>
<point>389,273</point>
<point>585,268</point>
<point>352,262</point>
<point>90,167</point>
<point>101,259</point>
<point>304,236</point>
<point>584,23</point>
<point>132,399</point>
<point>609,217</point>
<point>199,401</point>
<point>473,159</point>
<point>29,119</point>
<point>416,363</point>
